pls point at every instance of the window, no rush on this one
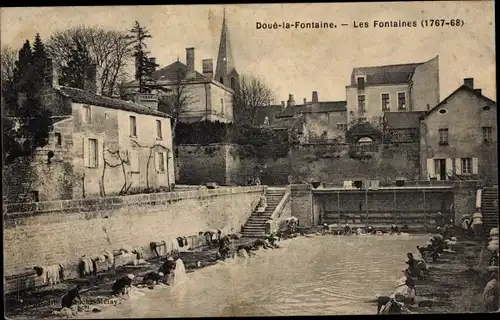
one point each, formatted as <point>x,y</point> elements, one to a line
<point>401,101</point>
<point>487,134</point>
<point>58,139</point>
<point>443,136</point>
<point>134,161</point>
<point>342,126</point>
<point>362,119</point>
<point>221,80</point>
<point>466,165</point>
<point>92,153</point>
<point>385,102</point>
<point>222,105</point>
<point>133,127</point>
<point>160,161</point>
<point>361,83</point>
<point>158,130</point>
<point>361,103</point>
<point>87,115</point>
<point>233,83</point>
<point>106,115</point>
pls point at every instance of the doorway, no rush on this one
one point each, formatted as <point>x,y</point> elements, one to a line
<point>440,165</point>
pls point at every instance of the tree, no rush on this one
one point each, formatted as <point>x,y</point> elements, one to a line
<point>178,97</point>
<point>111,50</point>
<point>144,65</point>
<point>26,122</point>
<point>72,74</point>
<point>8,59</point>
<point>250,94</point>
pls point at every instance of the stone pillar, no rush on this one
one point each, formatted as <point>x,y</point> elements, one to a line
<point>302,204</point>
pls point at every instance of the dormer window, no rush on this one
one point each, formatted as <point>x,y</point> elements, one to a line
<point>361,83</point>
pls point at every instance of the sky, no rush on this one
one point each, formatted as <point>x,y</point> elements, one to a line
<point>295,61</point>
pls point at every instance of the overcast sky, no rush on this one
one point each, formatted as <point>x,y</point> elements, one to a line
<point>295,61</point>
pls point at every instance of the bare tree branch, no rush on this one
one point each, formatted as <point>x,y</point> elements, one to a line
<point>111,50</point>
<point>8,59</point>
<point>251,93</point>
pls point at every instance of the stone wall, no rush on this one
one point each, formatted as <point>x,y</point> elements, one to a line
<point>223,164</point>
<point>333,163</point>
<point>301,204</point>
<point>56,232</point>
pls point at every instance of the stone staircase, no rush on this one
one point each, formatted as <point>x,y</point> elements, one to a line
<point>255,227</point>
<point>489,207</point>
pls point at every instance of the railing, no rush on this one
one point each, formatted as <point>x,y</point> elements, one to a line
<point>413,183</point>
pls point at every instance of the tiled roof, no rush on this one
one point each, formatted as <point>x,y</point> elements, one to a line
<point>270,111</point>
<point>170,73</point>
<point>390,74</point>
<point>85,97</point>
<point>286,123</point>
<point>403,120</point>
<point>325,106</point>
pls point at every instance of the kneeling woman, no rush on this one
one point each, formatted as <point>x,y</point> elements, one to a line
<point>122,285</point>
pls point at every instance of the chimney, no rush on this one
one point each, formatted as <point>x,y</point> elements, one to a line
<point>469,82</point>
<point>51,78</point>
<point>190,59</point>
<point>90,78</point>
<point>315,97</point>
<point>479,92</point>
<point>208,68</point>
<point>290,101</point>
<point>283,105</point>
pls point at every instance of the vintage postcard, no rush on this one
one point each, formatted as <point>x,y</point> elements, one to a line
<point>249,160</point>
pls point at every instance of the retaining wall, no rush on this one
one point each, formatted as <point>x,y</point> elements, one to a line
<point>54,232</point>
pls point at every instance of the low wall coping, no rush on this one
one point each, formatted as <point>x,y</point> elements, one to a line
<point>15,210</point>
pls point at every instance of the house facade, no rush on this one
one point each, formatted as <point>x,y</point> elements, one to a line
<point>99,146</point>
<point>323,120</point>
<point>392,88</point>
<point>208,95</point>
<point>458,137</point>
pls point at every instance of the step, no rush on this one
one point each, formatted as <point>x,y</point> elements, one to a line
<point>254,228</point>
<point>253,234</point>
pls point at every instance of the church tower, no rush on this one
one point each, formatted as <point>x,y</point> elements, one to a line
<point>225,71</point>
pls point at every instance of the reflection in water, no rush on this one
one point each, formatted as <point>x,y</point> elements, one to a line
<point>179,273</point>
<point>308,276</point>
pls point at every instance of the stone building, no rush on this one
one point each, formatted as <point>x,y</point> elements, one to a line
<point>458,137</point>
<point>323,120</point>
<point>392,88</point>
<point>98,146</point>
<point>208,95</point>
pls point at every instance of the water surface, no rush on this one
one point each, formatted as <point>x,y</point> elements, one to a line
<point>322,275</point>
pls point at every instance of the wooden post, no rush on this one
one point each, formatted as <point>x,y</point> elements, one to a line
<point>395,209</point>
<point>425,213</point>
<point>366,205</point>
<point>338,205</point>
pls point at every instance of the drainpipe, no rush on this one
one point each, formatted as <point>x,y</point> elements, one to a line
<point>409,96</point>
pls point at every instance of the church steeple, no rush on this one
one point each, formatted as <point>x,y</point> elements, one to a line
<point>225,71</point>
